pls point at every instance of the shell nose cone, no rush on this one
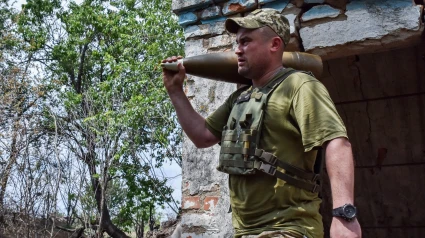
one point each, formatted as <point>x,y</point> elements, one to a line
<point>173,66</point>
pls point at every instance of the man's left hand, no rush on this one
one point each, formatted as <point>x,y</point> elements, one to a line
<point>345,229</point>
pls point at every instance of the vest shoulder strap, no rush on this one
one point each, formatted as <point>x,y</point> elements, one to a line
<point>272,85</point>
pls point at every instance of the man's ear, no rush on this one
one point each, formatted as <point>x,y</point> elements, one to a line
<point>277,44</point>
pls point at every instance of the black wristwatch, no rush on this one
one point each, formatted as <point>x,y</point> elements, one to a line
<point>348,212</point>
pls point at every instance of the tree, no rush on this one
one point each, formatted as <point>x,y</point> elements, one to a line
<point>19,98</point>
<point>99,65</point>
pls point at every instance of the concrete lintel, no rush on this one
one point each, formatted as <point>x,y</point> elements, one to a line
<point>368,27</point>
<point>390,42</point>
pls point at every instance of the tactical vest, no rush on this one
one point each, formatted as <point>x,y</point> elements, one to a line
<point>240,154</point>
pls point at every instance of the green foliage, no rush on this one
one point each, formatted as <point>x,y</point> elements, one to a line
<point>5,13</point>
<point>101,61</point>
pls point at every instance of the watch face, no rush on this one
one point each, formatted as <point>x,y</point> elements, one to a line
<point>349,211</point>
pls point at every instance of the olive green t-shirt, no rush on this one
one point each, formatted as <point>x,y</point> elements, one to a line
<point>299,116</point>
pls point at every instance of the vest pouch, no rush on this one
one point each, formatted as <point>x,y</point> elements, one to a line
<point>234,157</point>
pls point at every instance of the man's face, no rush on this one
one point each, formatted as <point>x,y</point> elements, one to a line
<point>252,51</point>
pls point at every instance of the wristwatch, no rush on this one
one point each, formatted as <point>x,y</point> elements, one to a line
<point>347,212</point>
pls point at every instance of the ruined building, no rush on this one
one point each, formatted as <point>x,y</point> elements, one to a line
<point>374,69</point>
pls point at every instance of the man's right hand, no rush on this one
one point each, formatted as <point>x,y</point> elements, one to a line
<point>173,80</point>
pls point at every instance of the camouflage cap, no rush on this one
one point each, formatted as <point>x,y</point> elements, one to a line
<point>260,18</point>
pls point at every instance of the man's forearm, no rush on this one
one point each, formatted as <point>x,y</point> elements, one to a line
<point>340,168</point>
<point>192,123</point>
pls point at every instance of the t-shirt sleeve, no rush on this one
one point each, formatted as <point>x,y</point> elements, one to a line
<point>316,115</point>
<point>218,119</point>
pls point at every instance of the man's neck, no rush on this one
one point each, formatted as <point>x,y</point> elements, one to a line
<point>263,80</point>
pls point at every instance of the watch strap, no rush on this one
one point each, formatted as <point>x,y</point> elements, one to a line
<point>336,212</point>
<point>339,212</point>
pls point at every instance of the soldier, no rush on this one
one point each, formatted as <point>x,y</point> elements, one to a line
<point>269,134</point>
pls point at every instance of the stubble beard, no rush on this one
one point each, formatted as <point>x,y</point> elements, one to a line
<point>244,71</point>
<point>249,72</point>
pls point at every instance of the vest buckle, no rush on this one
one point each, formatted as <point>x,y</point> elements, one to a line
<point>266,156</point>
<point>267,168</point>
